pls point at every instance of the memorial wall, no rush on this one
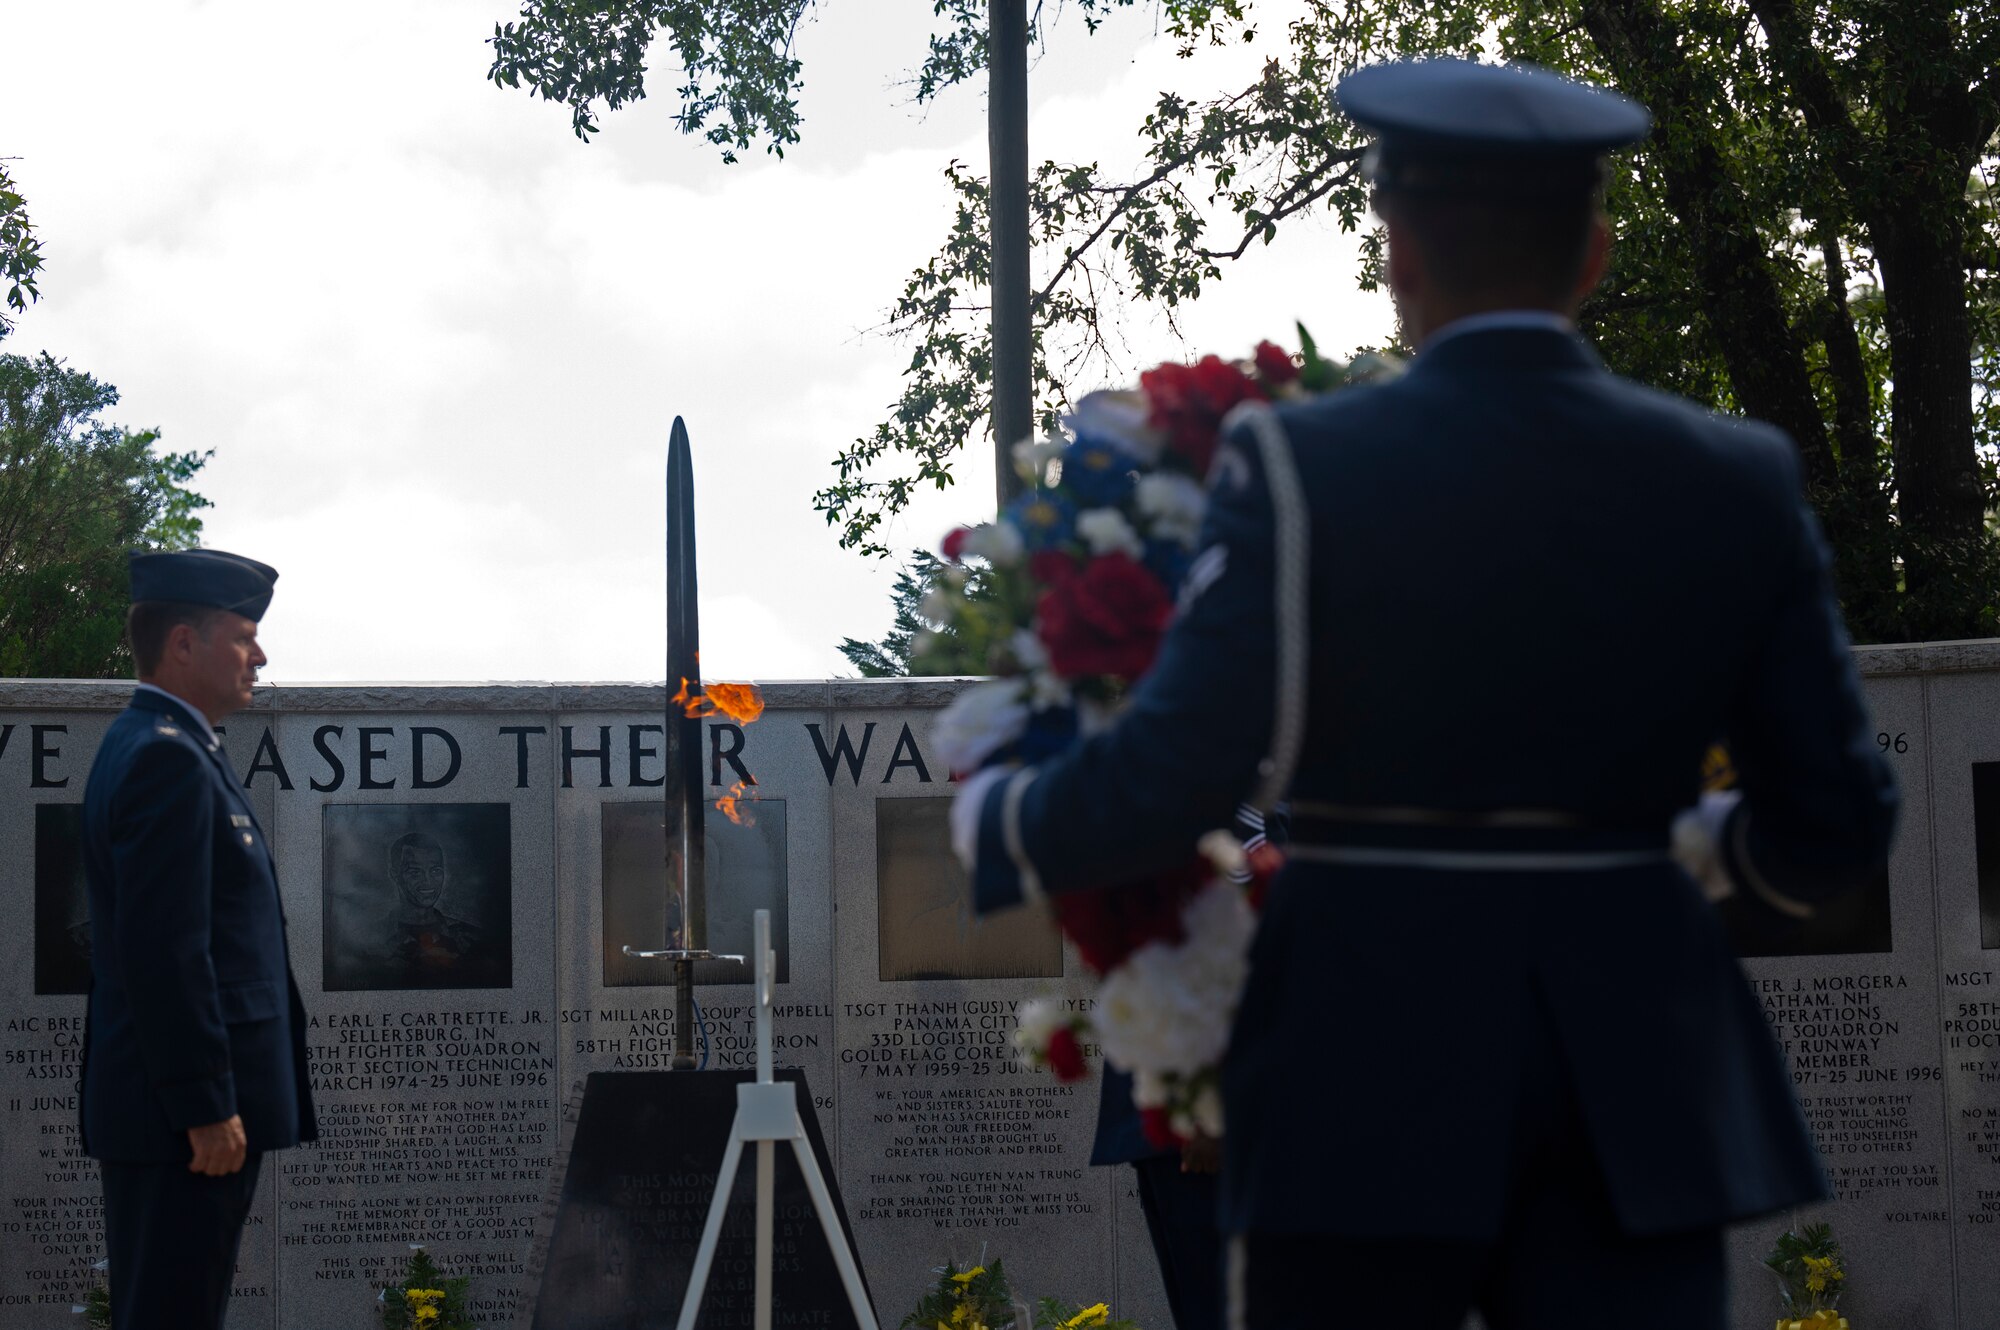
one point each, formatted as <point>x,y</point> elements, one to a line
<point>461,867</point>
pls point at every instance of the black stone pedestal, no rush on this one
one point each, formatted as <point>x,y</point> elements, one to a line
<point>636,1194</point>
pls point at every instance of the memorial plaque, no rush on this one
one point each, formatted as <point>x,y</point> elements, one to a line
<point>950,1148</point>
<point>51,1201</point>
<point>1964,753</point>
<point>51,1204</point>
<point>1854,1005</point>
<point>617,1010</point>
<point>415,855</point>
<point>639,1182</point>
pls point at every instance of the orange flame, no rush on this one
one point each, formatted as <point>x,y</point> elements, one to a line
<point>741,702</point>
<point>731,804</point>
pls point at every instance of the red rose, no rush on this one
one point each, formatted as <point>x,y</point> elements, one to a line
<point>1159,1128</point>
<point>1274,364</point>
<point>1187,404</point>
<point>1066,1056</point>
<point>1110,923</point>
<point>1265,861</point>
<point>1051,566</point>
<point>1108,619</point>
<point>954,543</point>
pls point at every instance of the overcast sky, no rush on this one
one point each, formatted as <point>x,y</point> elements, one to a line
<point>436,343</point>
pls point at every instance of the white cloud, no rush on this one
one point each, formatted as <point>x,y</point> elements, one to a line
<point>436,344</point>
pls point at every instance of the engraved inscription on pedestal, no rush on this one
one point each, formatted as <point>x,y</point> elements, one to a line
<point>640,1178</point>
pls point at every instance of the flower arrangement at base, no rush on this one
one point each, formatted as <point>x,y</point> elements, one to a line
<point>1812,1275</point>
<point>96,1305</point>
<point>974,1299</point>
<point>1066,597</point>
<point>1054,1314</point>
<point>424,1299</point>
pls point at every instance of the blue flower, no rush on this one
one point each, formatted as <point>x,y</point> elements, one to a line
<point>1044,519</point>
<point>1097,472</point>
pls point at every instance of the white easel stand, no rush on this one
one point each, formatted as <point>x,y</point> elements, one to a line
<point>768,1112</point>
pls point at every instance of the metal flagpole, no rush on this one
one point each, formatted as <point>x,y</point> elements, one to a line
<point>1007,143</point>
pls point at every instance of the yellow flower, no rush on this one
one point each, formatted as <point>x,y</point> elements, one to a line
<point>1097,1315</point>
<point>969,1275</point>
<point>426,1314</point>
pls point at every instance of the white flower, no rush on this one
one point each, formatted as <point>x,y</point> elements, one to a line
<point>1040,1018</point>
<point>1028,650</point>
<point>1095,717</point>
<point>1168,1009</point>
<point>1150,1089</point>
<point>1047,689</point>
<point>1118,418</point>
<point>1208,1108</point>
<point>1172,504</point>
<point>979,722</point>
<point>1224,853</point>
<point>999,543</point>
<point>1105,530</point>
<point>1032,457</point>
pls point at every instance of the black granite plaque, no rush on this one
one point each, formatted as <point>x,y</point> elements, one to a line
<point>640,1180</point>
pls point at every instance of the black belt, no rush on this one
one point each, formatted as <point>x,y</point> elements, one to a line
<point>1479,840</point>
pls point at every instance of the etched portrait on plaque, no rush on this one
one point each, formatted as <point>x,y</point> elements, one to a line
<point>923,907</point>
<point>416,896</point>
<point>1986,848</point>
<point>62,904</point>
<point>745,872</point>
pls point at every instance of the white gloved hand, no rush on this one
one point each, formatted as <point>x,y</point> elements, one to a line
<point>965,812</point>
<point>1696,842</point>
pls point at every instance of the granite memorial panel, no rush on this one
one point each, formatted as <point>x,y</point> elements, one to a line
<point>51,1227</point>
<point>949,1148</point>
<point>51,1230</point>
<point>1854,1000</point>
<point>1964,744</point>
<point>416,858</point>
<point>461,868</point>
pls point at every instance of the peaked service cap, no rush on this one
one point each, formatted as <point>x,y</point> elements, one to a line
<point>204,577</point>
<point>1459,127</point>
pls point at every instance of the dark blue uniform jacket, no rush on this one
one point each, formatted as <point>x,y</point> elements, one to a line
<point>1507,580</point>
<point>194,1016</point>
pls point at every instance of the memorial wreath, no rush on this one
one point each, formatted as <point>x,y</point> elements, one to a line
<point>1066,597</point>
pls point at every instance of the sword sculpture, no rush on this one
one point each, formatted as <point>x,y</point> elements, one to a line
<point>687,922</point>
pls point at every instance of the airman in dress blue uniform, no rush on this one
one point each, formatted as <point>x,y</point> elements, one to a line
<point>1494,1051</point>
<point>195,1060</point>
